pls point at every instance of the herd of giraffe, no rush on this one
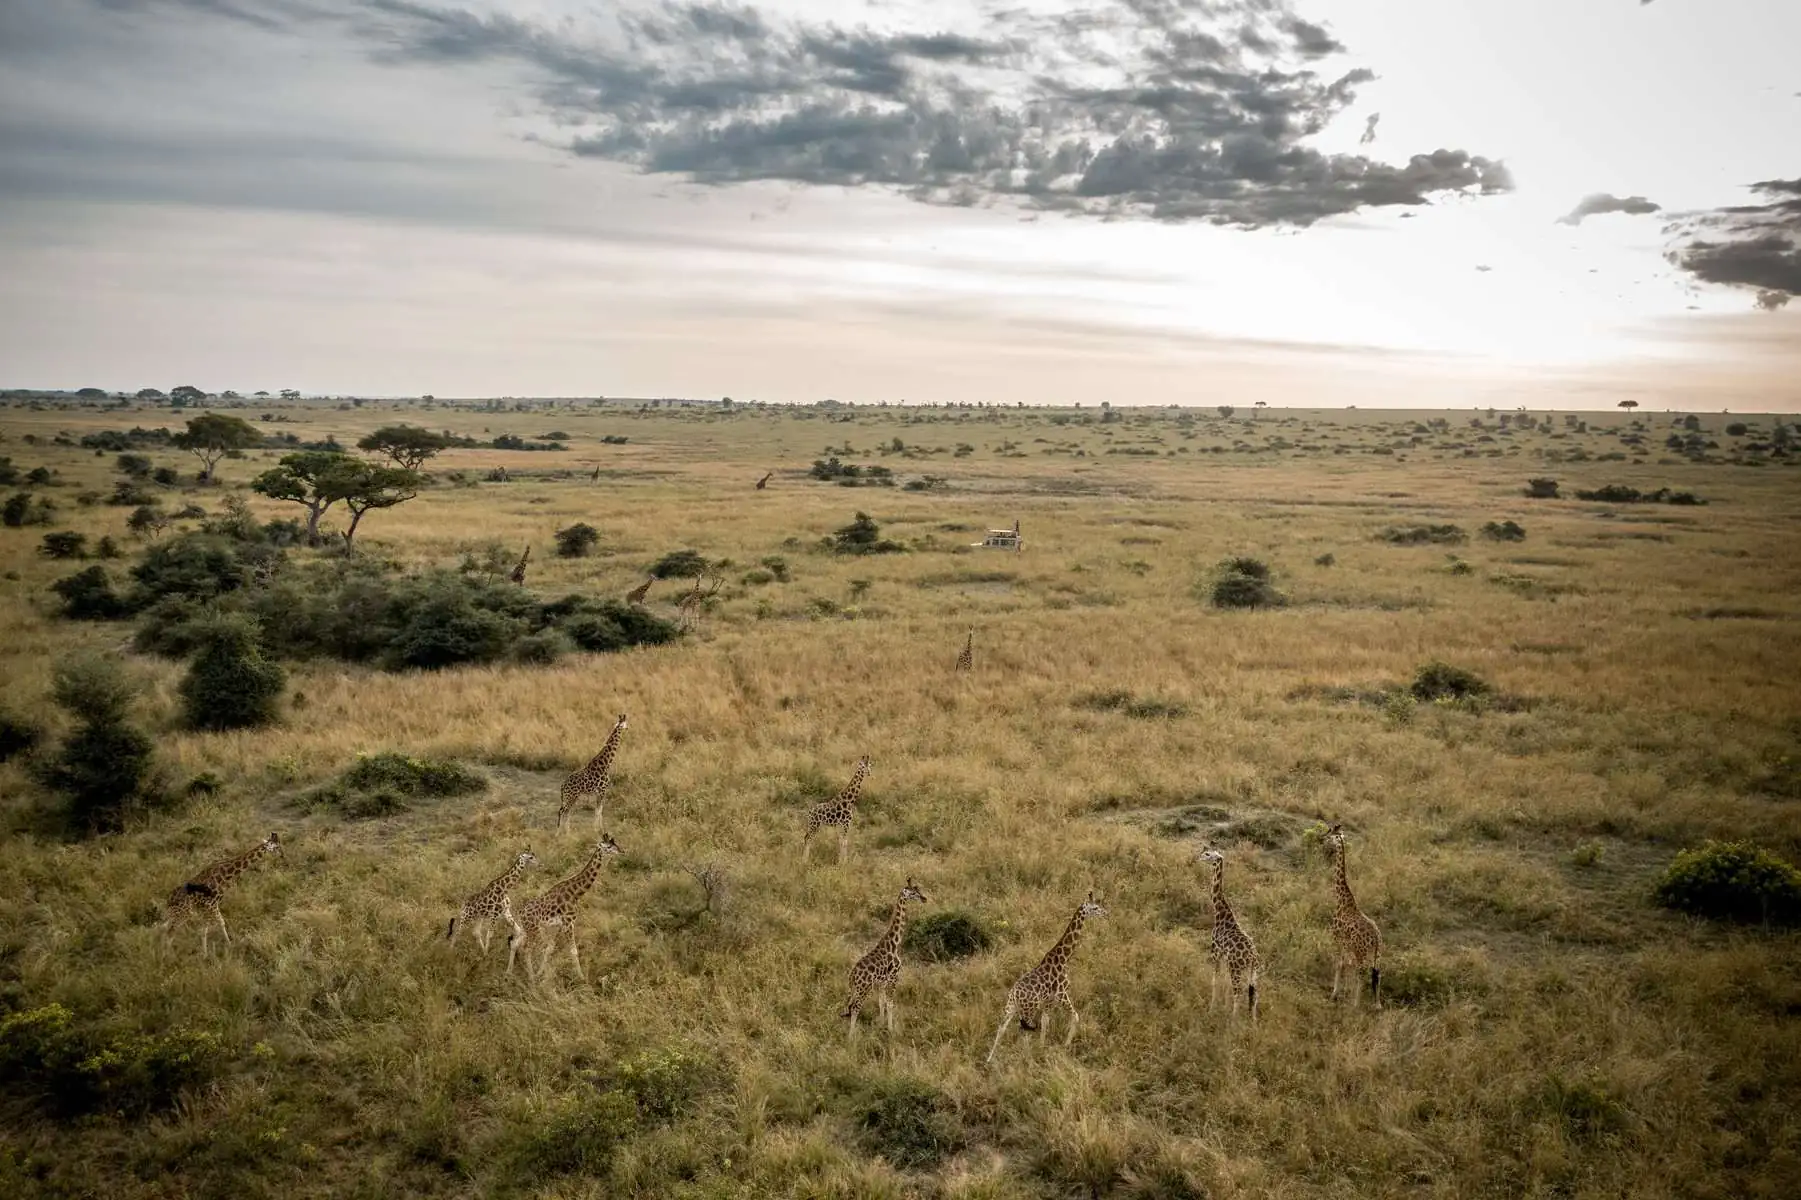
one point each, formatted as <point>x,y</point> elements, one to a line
<point>550,917</point>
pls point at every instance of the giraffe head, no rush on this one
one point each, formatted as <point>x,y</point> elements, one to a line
<point>620,723</point>
<point>863,765</point>
<point>272,845</point>
<point>1209,855</point>
<point>1334,841</point>
<point>606,845</point>
<point>912,892</point>
<point>526,859</point>
<point>1092,907</point>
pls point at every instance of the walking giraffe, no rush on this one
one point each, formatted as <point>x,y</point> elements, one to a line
<point>879,970</point>
<point>1232,947</point>
<point>595,779</point>
<point>492,902</point>
<point>199,897</point>
<point>966,659</point>
<point>518,575</point>
<point>1048,982</point>
<point>690,602</point>
<point>838,811</point>
<point>553,913</point>
<point>1358,941</point>
<point>637,594</point>
<point>764,482</point>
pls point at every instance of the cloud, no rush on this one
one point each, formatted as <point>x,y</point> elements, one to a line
<point>1369,129</point>
<point>1179,110</point>
<point>1755,246</point>
<point>1602,202</point>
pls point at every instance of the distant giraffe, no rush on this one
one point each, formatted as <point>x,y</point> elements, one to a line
<point>491,903</point>
<point>1232,947</point>
<point>879,970</point>
<point>1047,983</point>
<point>690,602</point>
<point>637,594</point>
<point>518,575</point>
<point>1358,941</point>
<point>199,897</point>
<point>594,780</point>
<point>595,478</point>
<point>966,660</point>
<point>764,482</point>
<point>837,811</point>
<point>553,913</point>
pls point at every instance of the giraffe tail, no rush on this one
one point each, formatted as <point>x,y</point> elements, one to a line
<point>450,934</point>
<point>1375,983</point>
<point>199,889</point>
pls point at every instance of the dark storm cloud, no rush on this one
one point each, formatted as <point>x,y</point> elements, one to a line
<point>1601,202</point>
<point>1754,246</point>
<point>1201,115</point>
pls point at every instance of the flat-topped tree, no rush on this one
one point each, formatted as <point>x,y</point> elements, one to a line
<point>213,436</point>
<point>377,487</point>
<point>318,479</point>
<point>406,446</point>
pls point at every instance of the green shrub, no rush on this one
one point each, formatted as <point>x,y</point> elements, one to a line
<point>1541,489</point>
<point>414,776</point>
<point>1441,681</point>
<point>107,548</point>
<point>863,536</point>
<point>9,474</point>
<point>50,1061</point>
<point>1504,531</point>
<point>147,520</point>
<point>579,1135</point>
<point>664,1085</point>
<point>230,685</point>
<point>679,564</point>
<point>201,565</point>
<point>909,1122</point>
<point>542,648</point>
<point>103,770</point>
<point>757,578</point>
<point>130,493</point>
<point>17,735</point>
<point>577,541</point>
<point>946,935</point>
<point>1732,881</point>
<point>88,596</point>
<point>23,508</point>
<point>1421,535</point>
<point>135,465</point>
<point>777,566</point>
<point>602,626</point>
<point>64,544</point>
<point>1243,583</point>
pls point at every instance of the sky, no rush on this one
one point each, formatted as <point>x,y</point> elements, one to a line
<point>1375,202</point>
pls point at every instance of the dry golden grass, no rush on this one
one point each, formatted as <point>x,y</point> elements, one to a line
<point>1549,1031</point>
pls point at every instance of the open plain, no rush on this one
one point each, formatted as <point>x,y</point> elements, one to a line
<point>1546,1028</point>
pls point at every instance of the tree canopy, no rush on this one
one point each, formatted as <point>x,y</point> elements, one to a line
<point>406,446</point>
<point>318,479</point>
<point>212,436</point>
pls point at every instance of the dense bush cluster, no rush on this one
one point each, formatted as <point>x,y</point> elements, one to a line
<point>850,474</point>
<point>945,935</point>
<point>577,541</point>
<point>1733,881</point>
<point>1441,681</point>
<point>1243,582</point>
<point>70,1070</point>
<point>679,564</point>
<point>381,785</point>
<point>863,536</point>
<point>1619,493</point>
<point>1504,531</point>
<point>104,769</point>
<point>1422,535</point>
<point>229,685</point>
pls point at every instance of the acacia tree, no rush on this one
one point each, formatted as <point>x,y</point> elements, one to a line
<point>313,479</point>
<point>406,446</point>
<point>212,436</point>
<point>372,486</point>
<point>1628,405</point>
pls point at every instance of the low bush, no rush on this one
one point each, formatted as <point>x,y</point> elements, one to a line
<point>1423,535</point>
<point>946,935</point>
<point>1504,531</point>
<point>23,508</point>
<point>1441,681</point>
<point>383,785</point>
<point>577,541</point>
<point>907,1121</point>
<point>679,564</point>
<point>18,736</point>
<point>64,544</point>
<point>1243,583</point>
<point>863,536</point>
<point>1618,493</point>
<point>1541,489</point>
<point>230,684</point>
<point>50,1061</point>
<point>88,595</point>
<point>1732,881</point>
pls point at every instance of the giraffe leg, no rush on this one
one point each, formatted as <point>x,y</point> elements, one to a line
<point>579,973</point>
<point>513,948</point>
<point>888,1008</point>
<point>1074,1017</point>
<point>484,935</point>
<point>600,807</point>
<point>806,846</point>
<point>1006,1020</point>
<point>1356,985</point>
<point>843,843</point>
<point>1235,980</point>
<point>1213,987</point>
<point>1251,990</point>
<point>219,913</point>
<point>1337,972</point>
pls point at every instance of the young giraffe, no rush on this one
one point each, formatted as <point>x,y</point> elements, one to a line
<point>1232,946</point>
<point>966,660</point>
<point>637,594</point>
<point>837,811</point>
<point>879,970</point>
<point>553,913</point>
<point>689,604</point>
<point>492,903</point>
<point>199,897</point>
<point>595,780</point>
<point>1358,940</point>
<point>764,482</point>
<point>518,575</point>
<point>1047,983</point>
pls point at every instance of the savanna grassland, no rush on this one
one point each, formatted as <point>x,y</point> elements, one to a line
<point>1548,1029</point>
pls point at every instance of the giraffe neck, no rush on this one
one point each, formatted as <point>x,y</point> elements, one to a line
<point>1066,945</point>
<point>605,758</point>
<point>225,873</point>
<point>897,925</point>
<point>848,796</point>
<point>514,874</point>
<point>1222,911</point>
<point>577,885</point>
<point>1341,885</point>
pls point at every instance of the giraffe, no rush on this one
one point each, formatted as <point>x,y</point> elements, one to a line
<point>637,594</point>
<point>837,811</point>
<point>1358,940</point>
<point>690,601</point>
<point>592,780</point>
<point>199,897</point>
<point>764,482</point>
<point>518,575</point>
<point>595,478</point>
<point>1047,983</point>
<point>1232,947</point>
<point>553,913</point>
<point>492,903</point>
<point>880,968</point>
<point>966,659</point>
